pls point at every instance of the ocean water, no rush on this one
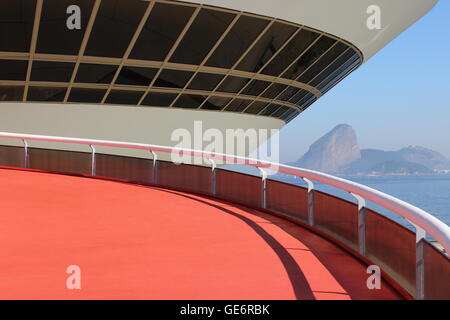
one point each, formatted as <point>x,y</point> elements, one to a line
<point>428,192</point>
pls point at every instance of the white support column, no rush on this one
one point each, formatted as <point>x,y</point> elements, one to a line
<point>310,201</point>
<point>93,160</point>
<point>25,156</point>
<point>154,167</point>
<point>361,223</point>
<point>263,188</point>
<point>213,176</point>
<point>420,262</point>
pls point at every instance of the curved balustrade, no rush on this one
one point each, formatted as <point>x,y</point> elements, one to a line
<point>407,258</point>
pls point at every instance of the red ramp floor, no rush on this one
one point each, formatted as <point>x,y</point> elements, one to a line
<point>136,242</point>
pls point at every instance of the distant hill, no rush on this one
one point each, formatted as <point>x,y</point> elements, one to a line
<point>398,167</point>
<point>426,157</point>
<point>338,152</point>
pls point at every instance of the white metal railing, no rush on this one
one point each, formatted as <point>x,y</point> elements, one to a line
<point>422,221</point>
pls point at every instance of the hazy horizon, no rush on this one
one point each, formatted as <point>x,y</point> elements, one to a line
<point>398,98</point>
<point>360,145</point>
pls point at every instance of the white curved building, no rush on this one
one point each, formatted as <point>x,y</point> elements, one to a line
<point>137,70</point>
<point>123,75</point>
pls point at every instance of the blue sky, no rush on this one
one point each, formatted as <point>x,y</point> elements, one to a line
<point>400,97</point>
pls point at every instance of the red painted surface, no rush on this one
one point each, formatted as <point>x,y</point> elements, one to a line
<point>136,242</point>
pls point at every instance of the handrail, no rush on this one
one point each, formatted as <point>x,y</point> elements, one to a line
<point>433,226</point>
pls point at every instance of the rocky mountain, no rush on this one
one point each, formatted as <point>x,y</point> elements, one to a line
<point>338,152</point>
<point>335,150</point>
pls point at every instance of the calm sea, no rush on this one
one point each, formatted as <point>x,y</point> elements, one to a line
<point>430,193</point>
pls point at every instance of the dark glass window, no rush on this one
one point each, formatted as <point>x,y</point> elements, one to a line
<point>173,78</point>
<point>340,72</point>
<point>270,109</point>
<point>323,62</point>
<point>232,84</point>
<point>309,102</point>
<point>274,90</point>
<point>309,57</point>
<point>216,103</point>
<point>266,46</point>
<point>46,94</point>
<point>275,110</point>
<point>164,25</point>
<point>299,95</point>
<point>136,76</point>
<point>95,73</point>
<point>16,25</point>
<point>290,52</point>
<point>282,110</point>
<point>189,101</point>
<point>305,99</point>
<point>255,87</point>
<point>51,71</point>
<point>203,34</point>
<point>256,107</point>
<point>86,95</point>
<point>114,27</point>
<point>333,67</point>
<point>238,105</point>
<point>54,35</point>
<point>205,81</point>
<point>295,114</point>
<point>11,93</point>
<point>124,97</point>
<point>159,99</point>
<point>13,69</point>
<point>288,114</point>
<point>241,36</point>
<point>288,93</point>
<point>340,77</point>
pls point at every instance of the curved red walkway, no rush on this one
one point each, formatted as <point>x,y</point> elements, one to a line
<point>146,243</point>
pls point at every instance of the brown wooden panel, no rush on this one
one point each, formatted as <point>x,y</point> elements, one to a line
<point>238,186</point>
<point>393,248</point>
<point>60,161</point>
<point>12,156</point>
<point>338,217</point>
<point>287,198</point>
<point>437,274</point>
<point>188,177</point>
<point>125,168</point>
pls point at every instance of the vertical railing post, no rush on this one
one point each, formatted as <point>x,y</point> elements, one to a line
<point>263,188</point>
<point>154,167</point>
<point>361,223</point>
<point>93,160</point>
<point>213,176</point>
<point>420,269</point>
<point>310,201</point>
<point>420,262</point>
<point>25,156</point>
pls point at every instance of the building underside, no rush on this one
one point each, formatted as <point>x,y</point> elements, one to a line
<point>138,70</point>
